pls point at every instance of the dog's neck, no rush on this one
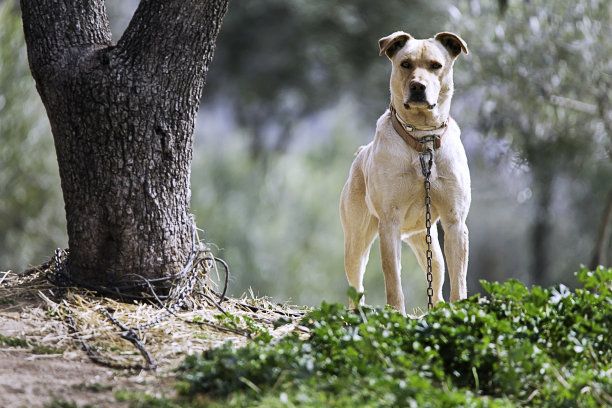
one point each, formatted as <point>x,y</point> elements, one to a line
<point>418,139</point>
<point>419,131</point>
<point>425,124</point>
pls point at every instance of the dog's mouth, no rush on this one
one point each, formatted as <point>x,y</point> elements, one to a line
<point>419,104</point>
<point>418,100</point>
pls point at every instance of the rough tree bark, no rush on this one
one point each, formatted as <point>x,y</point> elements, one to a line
<point>122,118</point>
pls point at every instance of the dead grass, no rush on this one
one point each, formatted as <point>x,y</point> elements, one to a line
<point>61,320</point>
<point>202,327</point>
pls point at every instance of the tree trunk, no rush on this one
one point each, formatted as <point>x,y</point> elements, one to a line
<point>122,118</point>
<point>541,227</point>
<point>603,236</point>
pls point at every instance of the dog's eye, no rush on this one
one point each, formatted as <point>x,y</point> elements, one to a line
<point>407,64</point>
<point>434,66</point>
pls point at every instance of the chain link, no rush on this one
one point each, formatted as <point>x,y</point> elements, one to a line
<point>426,169</point>
<point>184,284</point>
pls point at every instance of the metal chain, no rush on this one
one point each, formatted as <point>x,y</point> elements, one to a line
<point>183,287</point>
<point>60,276</point>
<point>426,168</point>
<point>59,259</point>
<point>130,334</point>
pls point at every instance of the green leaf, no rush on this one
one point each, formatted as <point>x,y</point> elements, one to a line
<point>354,295</point>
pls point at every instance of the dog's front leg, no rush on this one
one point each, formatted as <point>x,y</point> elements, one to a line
<point>456,249</point>
<point>390,252</point>
<point>418,243</point>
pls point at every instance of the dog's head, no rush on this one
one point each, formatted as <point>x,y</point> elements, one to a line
<point>422,75</point>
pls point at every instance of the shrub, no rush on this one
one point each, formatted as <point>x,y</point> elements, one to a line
<point>514,347</point>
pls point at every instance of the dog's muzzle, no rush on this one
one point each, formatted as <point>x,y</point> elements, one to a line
<point>418,96</point>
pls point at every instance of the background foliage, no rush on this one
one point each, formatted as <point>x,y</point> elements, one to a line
<point>545,77</point>
<point>296,87</point>
<point>31,208</point>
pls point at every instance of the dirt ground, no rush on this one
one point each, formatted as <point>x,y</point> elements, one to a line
<point>42,358</point>
<point>29,378</point>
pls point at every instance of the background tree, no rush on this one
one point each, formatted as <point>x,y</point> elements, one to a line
<point>122,117</point>
<point>280,61</point>
<point>31,214</point>
<point>545,71</point>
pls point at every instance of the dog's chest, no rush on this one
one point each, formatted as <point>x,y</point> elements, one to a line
<point>395,183</point>
<point>394,179</point>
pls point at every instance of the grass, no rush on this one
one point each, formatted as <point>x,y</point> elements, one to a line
<point>5,301</point>
<point>13,341</point>
<point>514,347</point>
<point>35,348</point>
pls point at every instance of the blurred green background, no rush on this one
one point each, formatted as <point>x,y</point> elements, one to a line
<point>296,86</point>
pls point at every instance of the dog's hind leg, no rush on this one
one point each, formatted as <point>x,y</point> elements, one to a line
<point>357,243</point>
<point>419,247</point>
<point>456,247</point>
<point>359,225</point>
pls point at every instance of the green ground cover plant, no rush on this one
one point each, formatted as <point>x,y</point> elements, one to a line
<point>514,347</point>
<point>12,341</point>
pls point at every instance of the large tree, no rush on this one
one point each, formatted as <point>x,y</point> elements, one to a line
<point>122,117</point>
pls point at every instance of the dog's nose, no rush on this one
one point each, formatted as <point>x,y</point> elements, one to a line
<point>417,86</point>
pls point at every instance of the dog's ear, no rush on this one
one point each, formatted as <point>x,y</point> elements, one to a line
<point>392,43</point>
<point>453,43</point>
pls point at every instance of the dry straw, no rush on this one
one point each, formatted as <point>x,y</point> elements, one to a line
<point>66,318</point>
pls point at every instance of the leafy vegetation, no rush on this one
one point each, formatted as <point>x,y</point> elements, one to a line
<point>41,349</point>
<point>514,347</point>
<point>35,348</point>
<point>62,403</point>
<point>31,208</point>
<point>13,341</point>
